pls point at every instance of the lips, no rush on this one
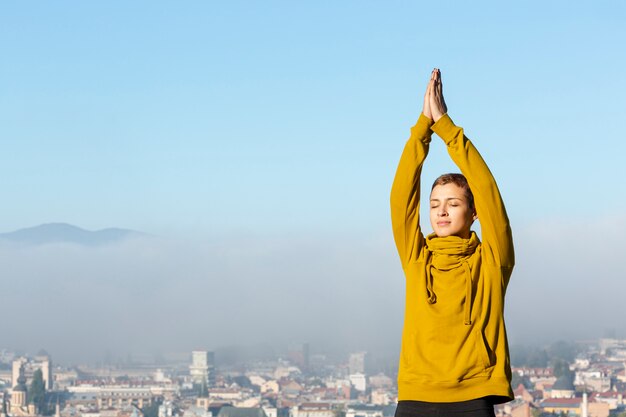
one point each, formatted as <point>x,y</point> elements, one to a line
<point>443,223</point>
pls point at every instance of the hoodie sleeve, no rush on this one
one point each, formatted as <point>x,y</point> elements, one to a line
<point>496,232</point>
<point>405,192</point>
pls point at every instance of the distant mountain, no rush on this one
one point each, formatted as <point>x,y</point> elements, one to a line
<point>67,233</point>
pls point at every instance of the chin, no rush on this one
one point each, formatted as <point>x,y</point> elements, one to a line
<point>448,233</point>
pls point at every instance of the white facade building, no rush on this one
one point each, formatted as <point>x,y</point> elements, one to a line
<point>359,382</point>
<point>202,368</point>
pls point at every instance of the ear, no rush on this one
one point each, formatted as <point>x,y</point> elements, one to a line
<point>474,216</point>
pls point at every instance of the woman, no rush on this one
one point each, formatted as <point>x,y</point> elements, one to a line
<point>454,357</point>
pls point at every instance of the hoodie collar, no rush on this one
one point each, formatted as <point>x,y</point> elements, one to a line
<point>445,254</point>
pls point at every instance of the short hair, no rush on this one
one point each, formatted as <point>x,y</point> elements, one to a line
<point>459,180</point>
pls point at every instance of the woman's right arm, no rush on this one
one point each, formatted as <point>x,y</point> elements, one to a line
<point>405,192</point>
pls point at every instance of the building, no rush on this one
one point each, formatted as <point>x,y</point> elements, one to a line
<point>613,348</point>
<point>358,381</point>
<point>357,363</point>
<point>594,379</point>
<point>202,368</point>
<point>19,399</point>
<point>298,354</point>
<point>563,388</point>
<point>381,381</point>
<point>380,396</point>
<point>312,410</point>
<point>570,406</point>
<point>123,397</point>
<point>28,367</point>
<point>228,394</point>
<point>575,407</point>
<point>515,408</point>
<point>241,412</point>
<point>364,410</point>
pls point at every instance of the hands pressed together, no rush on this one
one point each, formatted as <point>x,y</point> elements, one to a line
<point>434,104</point>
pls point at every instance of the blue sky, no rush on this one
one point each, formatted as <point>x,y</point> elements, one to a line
<point>264,136</point>
<point>202,118</point>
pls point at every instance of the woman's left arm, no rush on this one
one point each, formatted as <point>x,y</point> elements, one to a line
<point>494,222</point>
<point>496,231</point>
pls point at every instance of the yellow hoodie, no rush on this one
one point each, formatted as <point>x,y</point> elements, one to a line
<point>454,344</point>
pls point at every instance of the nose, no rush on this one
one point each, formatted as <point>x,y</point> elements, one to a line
<point>442,212</point>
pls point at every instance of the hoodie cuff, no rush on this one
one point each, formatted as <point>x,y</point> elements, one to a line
<point>422,129</point>
<point>445,128</point>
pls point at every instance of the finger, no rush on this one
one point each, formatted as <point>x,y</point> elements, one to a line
<point>428,90</point>
<point>431,87</point>
<point>433,98</point>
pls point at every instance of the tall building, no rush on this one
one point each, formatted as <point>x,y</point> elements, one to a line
<point>202,368</point>
<point>18,370</point>
<point>45,364</point>
<point>298,354</point>
<point>19,397</point>
<point>357,363</point>
<point>26,367</point>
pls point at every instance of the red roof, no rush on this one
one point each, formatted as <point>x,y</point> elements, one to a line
<point>315,406</point>
<point>556,402</point>
<point>608,394</point>
<point>520,389</point>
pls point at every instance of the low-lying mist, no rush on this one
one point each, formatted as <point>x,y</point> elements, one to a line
<point>154,295</point>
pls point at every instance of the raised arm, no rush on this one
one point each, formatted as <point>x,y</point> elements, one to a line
<point>405,192</point>
<point>496,232</point>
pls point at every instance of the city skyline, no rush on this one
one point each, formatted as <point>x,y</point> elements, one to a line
<point>587,380</point>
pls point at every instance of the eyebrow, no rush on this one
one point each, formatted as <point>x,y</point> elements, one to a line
<point>449,198</point>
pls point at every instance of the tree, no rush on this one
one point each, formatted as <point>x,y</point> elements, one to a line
<point>563,350</point>
<point>561,368</point>
<point>37,392</point>
<point>517,379</point>
<point>152,410</point>
<point>532,357</point>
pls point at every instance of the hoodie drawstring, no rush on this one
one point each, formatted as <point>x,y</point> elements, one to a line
<point>432,298</point>
<point>468,294</point>
<point>430,294</point>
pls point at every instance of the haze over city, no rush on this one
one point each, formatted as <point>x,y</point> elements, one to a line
<point>252,147</point>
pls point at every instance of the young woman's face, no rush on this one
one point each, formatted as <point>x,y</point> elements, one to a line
<point>450,213</point>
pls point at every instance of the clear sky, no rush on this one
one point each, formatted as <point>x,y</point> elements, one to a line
<point>195,118</point>
<point>268,133</point>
